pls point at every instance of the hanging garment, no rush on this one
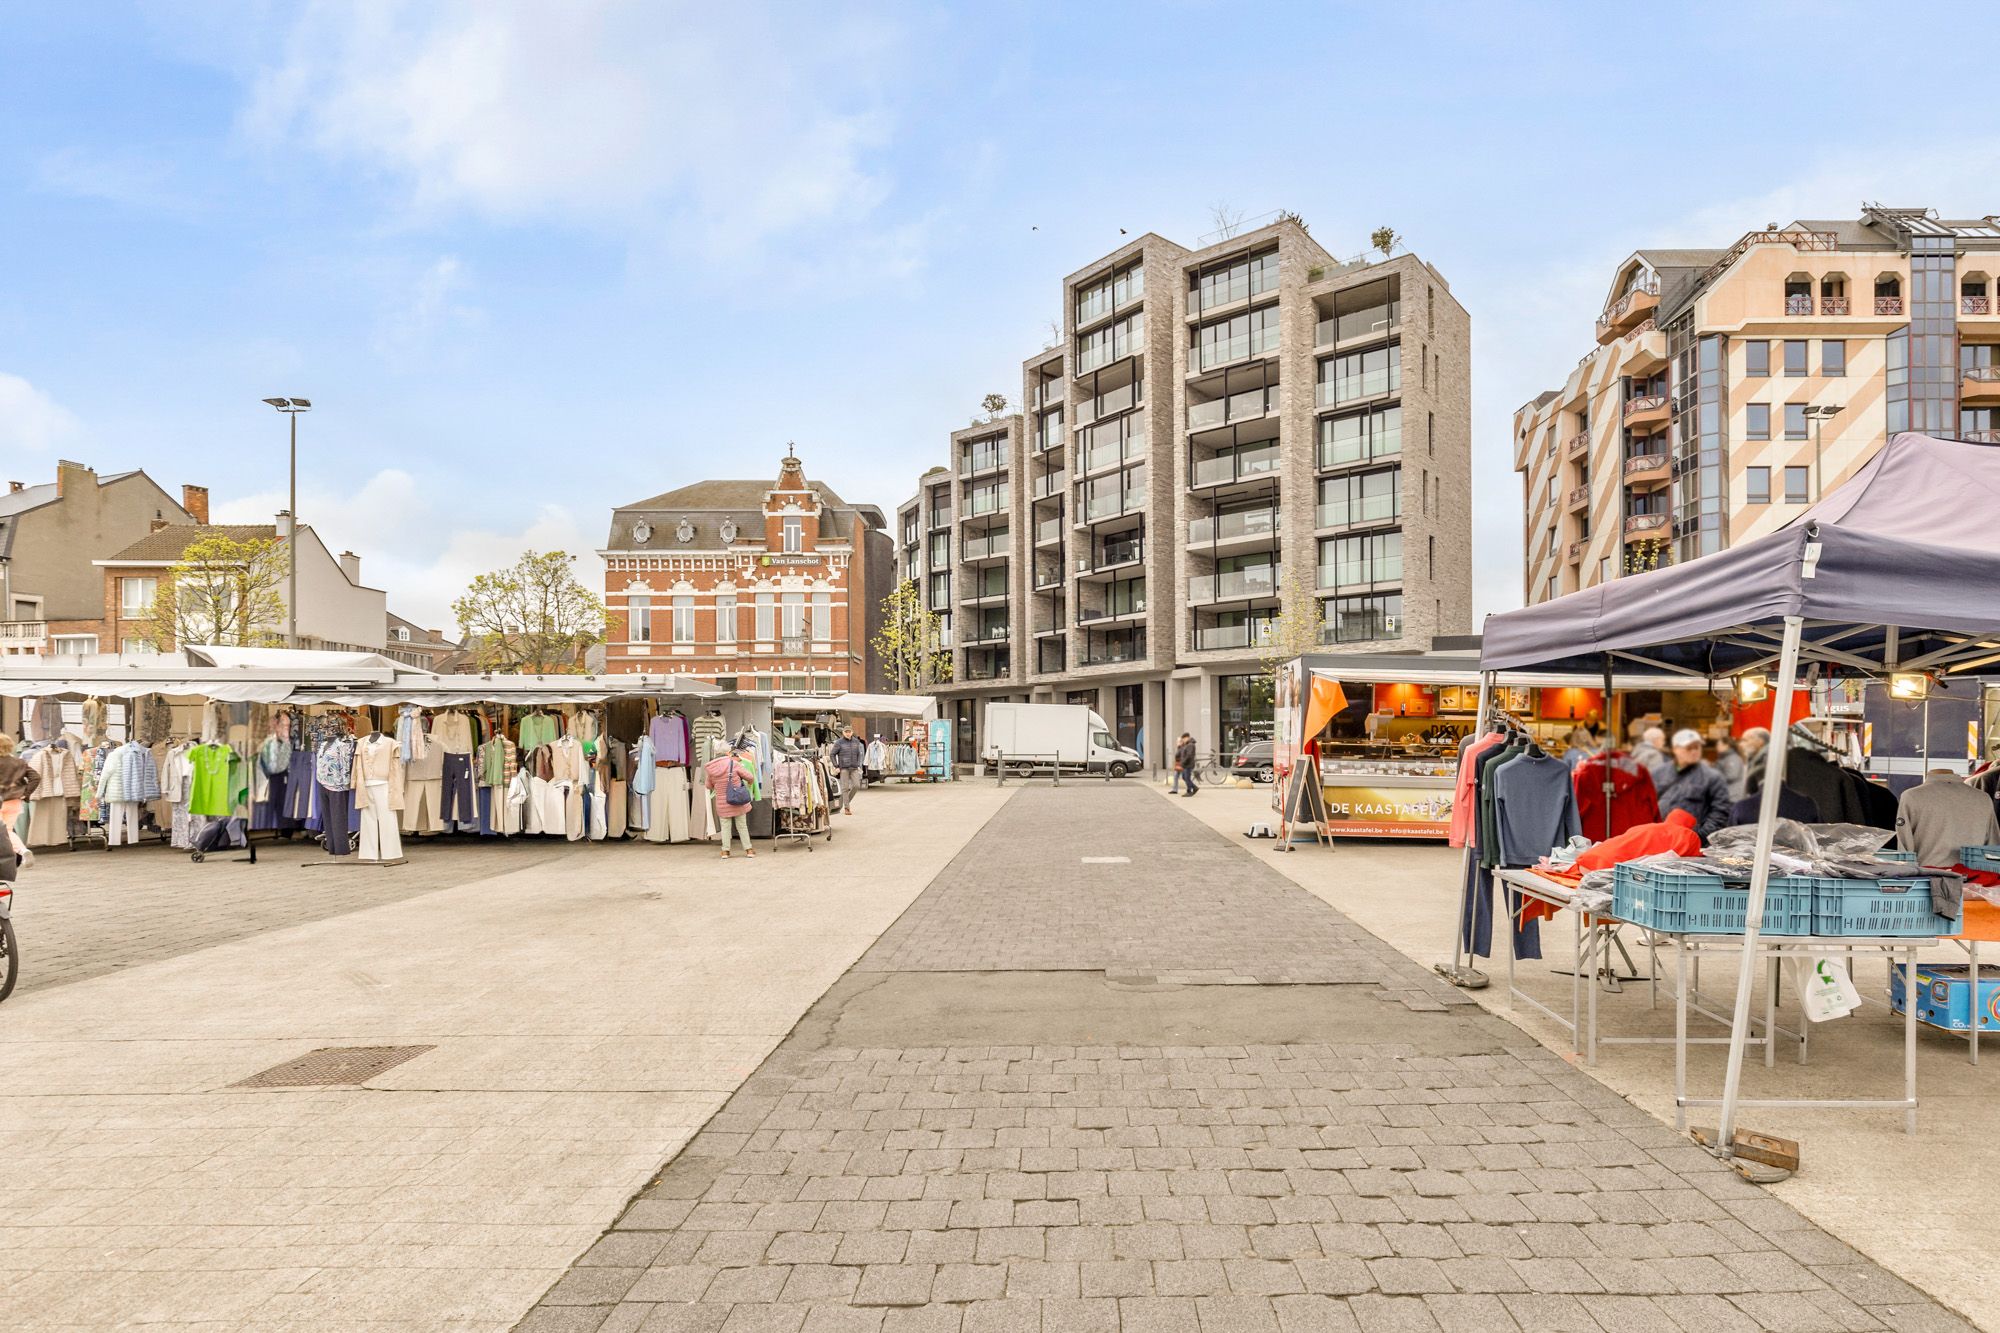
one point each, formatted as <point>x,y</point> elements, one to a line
<point>1631,802</point>
<point>1464,805</point>
<point>673,740</point>
<point>1791,805</point>
<point>457,805</point>
<point>537,729</point>
<point>335,810</point>
<point>121,823</point>
<point>209,792</point>
<point>380,786</point>
<point>674,786</point>
<point>1941,815</point>
<point>299,782</point>
<point>423,787</point>
<point>709,732</point>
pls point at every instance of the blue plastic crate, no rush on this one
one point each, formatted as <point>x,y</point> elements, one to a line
<point>1707,904</point>
<point>1880,908</point>
<point>1891,854</point>
<point>1979,858</point>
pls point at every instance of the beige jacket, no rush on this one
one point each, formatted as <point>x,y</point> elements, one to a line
<point>380,760</point>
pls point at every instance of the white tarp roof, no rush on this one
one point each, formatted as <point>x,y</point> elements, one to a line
<point>431,691</point>
<point>871,705</point>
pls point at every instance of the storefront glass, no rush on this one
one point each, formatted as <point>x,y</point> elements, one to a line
<point>1244,706</point>
<point>1131,712</point>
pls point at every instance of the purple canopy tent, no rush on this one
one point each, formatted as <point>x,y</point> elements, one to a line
<point>1897,570</point>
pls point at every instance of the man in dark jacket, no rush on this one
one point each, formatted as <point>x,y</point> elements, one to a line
<point>1184,763</point>
<point>1695,786</point>
<point>848,753</point>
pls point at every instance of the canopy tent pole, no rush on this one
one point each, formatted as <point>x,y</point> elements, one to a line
<point>1462,972</point>
<point>1760,880</point>
<point>1610,744</point>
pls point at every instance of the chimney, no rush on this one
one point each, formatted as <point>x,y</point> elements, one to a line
<point>15,487</point>
<point>158,523</point>
<point>194,499</point>
<point>350,565</point>
<point>284,524</point>
<point>63,470</point>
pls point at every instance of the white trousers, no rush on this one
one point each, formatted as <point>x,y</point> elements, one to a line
<point>379,839</point>
<point>121,822</point>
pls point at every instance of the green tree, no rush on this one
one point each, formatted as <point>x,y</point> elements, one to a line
<point>533,616</point>
<point>223,593</point>
<point>993,404</point>
<point>1300,625</point>
<point>1384,239</point>
<point>910,641</point>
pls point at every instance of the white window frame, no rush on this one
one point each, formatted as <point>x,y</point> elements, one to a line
<point>684,618</point>
<point>767,617</point>
<point>126,605</point>
<point>792,615</point>
<point>639,618</point>
<point>725,618</point>
<point>822,617</point>
<point>794,534</point>
<point>68,643</point>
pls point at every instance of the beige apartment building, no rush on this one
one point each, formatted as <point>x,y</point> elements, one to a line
<point>1730,388</point>
<point>1220,432</point>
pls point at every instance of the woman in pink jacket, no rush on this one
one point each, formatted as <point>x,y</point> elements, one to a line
<point>716,775</point>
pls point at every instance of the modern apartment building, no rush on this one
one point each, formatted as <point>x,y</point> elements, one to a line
<point>1730,388</point>
<point>1221,432</point>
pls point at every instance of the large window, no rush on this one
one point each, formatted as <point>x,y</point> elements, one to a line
<point>725,618</point>
<point>1757,485</point>
<point>1360,437</point>
<point>684,618</point>
<point>1757,357</point>
<point>1833,357</point>
<point>986,499</point>
<point>1364,497</point>
<point>639,619</point>
<point>1798,488</point>
<point>1125,597</point>
<point>1795,358</point>
<point>135,596</point>
<point>1795,421</point>
<point>1361,561</point>
<point>822,616</point>
<point>1253,333</point>
<point>792,612</point>
<point>1364,374</point>
<point>1114,441</point>
<point>938,596</point>
<point>767,612</point>
<point>940,549</point>
<point>794,534</point>
<point>1245,706</point>
<point>1372,308</point>
<point>1235,281</point>
<point>1361,619</point>
<point>1111,494</point>
<point>72,645</point>
<point>1121,287</point>
<point>1756,421</point>
<point>1110,343</point>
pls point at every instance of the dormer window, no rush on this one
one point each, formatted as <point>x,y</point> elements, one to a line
<point>642,532</point>
<point>794,533</point>
<point>728,532</point>
<point>402,634</point>
<point>685,531</point>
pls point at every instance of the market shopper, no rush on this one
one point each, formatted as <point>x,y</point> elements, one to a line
<point>1652,752</point>
<point>848,752</point>
<point>1184,763</point>
<point>1693,785</point>
<point>724,775</point>
<point>1582,745</point>
<point>1730,763</point>
<point>18,781</point>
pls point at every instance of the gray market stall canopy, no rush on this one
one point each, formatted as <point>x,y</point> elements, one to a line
<point>867,705</point>
<point>1896,570</point>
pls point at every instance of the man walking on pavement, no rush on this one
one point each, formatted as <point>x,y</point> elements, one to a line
<point>848,753</point>
<point>1184,763</point>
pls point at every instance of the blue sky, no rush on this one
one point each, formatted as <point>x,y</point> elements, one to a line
<point>535,260</point>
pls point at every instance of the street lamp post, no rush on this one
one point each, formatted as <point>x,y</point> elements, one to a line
<point>291,407</point>
<point>1816,415</point>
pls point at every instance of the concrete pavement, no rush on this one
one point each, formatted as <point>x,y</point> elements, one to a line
<point>588,1008</point>
<point>1081,1085</point>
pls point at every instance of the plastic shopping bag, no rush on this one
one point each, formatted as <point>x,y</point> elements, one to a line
<point>1826,992</point>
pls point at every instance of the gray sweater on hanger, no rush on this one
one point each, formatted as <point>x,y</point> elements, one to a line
<point>1942,814</point>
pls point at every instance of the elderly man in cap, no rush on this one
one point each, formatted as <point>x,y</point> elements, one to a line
<point>848,753</point>
<point>1694,785</point>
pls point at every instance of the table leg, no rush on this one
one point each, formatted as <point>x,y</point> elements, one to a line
<point>1576,991</point>
<point>1597,951</point>
<point>1680,1034</point>
<point>1772,964</point>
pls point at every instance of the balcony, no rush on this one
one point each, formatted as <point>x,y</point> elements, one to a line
<point>1206,356</point>
<point>985,634</point>
<point>1231,468</point>
<point>986,666</point>
<point>1091,617</point>
<point>1097,508</point>
<point>1628,311</point>
<point>1363,510</point>
<point>1046,578</point>
<point>1975,305</point>
<point>982,461</point>
<point>1111,555</point>
<point>1344,389</point>
<point>1645,355</point>
<point>1251,634</point>
<point>1048,532</point>
<point>1980,387</point>
<point>1112,453</point>
<point>1799,303</point>
<point>1648,413</point>
<point>24,636</point>
<point>794,644</point>
<point>1245,406</point>
<point>986,596</point>
<point>1981,437</point>
<point>1235,586</point>
<point>1579,498</point>
<point>1375,322</point>
<point>1115,647</point>
<point>1233,529</point>
<point>1577,446</point>
<point>1574,551</point>
<point>1648,470</point>
<point>1834,305</point>
<point>1646,525</point>
<point>1051,631</point>
<point>987,500</point>
<point>1050,483</point>
<point>1888,305</point>
<point>994,546</point>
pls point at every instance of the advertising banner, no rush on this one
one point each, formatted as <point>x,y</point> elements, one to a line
<point>1389,811</point>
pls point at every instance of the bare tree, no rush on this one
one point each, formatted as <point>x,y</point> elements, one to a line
<point>1226,219</point>
<point>1300,624</point>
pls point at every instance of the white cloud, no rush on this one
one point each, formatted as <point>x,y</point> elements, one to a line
<point>128,179</point>
<point>409,546</point>
<point>30,420</point>
<point>431,310</point>
<point>726,125</point>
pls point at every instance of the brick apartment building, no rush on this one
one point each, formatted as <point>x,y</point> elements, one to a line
<point>771,587</point>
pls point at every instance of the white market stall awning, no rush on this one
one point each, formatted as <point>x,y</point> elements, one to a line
<point>867,705</point>
<point>194,673</point>
<point>431,691</point>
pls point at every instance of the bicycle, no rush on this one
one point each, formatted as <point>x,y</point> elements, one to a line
<point>10,952</point>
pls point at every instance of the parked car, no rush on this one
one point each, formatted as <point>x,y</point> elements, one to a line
<point>1255,761</point>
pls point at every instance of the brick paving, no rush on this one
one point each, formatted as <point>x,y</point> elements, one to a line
<point>92,912</point>
<point>1435,1170</point>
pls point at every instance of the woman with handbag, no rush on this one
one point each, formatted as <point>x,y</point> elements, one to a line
<point>727,776</point>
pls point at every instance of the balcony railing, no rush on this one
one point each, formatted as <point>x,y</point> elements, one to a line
<point>1360,576</point>
<point>1050,483</point>
<point>1224,527</point>
<point>1983,374</point>
<point>1641,525</point>
<point>1114,648</point>
<point>1236,407</point>
<point>1241,466</point>
<point>1090,615</point>
<point>985,460</point>
<point>1888,305</point>
<point>1975,305</point>
<point>1798,304</point>
<point>791,643</point>
<point>1618,309</point>
<point>1099,507</point>
<point>1575,551</point>
<point>1113,453</point>
<point>1049,578</point>
<point>986,501</point>
<point>1261,581</point>
<point>1366,509</point>
<point>980,548</point>
<point>1981,437</point>
<point>986,666</point>
<point>1833,305</point>
<point>1577,445</point>
<point>1221,351</point>
<point>1048,530</point>
<point>1652,402</point>
<point>1644,463</point>
<point>1111,555</point>
<point>1251,634</point>
<point>19,632</point>
<point>1579,496</point>
<point>995,633</point>
<point>983,593</point>
<point>1376,321</point>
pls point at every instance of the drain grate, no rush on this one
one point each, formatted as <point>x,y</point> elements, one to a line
<point>333,1065</point>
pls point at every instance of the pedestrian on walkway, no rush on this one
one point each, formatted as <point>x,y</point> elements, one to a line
<point>727,776</point>
<point>848,752</point>
<point>1184,763</point>
<point>18,781</point>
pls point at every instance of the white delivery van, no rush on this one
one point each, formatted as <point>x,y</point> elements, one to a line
<point>1030,737</point>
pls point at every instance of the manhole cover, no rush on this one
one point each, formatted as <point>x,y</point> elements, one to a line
<point>333,1065</point>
